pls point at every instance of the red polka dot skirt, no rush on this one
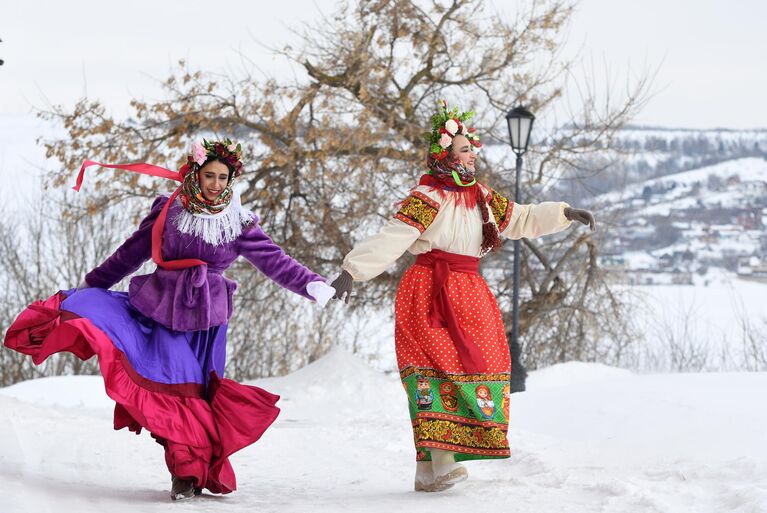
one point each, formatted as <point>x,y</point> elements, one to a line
<point>449,408</point>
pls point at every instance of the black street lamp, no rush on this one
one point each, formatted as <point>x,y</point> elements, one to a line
<point>520,121</point>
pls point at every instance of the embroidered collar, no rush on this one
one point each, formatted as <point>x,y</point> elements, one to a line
<point>215,229</point>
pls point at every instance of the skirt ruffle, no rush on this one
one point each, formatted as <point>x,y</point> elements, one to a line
<point>199,428</point>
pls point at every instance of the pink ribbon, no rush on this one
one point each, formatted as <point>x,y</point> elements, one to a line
<point>159,224</point>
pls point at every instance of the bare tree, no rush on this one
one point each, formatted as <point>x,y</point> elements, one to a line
<point>754,343</point>
<point>41,252</point>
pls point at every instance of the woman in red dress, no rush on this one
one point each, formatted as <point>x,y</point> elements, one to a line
<point>450,340</point>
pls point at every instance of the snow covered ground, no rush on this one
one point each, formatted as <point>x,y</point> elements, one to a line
<point>708,316</point>
<point>585,438</point>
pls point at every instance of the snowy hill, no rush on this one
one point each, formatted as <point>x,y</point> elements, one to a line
<point>692,249</point>
<point>712,217</point>
<point>746,169</point>
<point>584,438</point>
<point>655,152</point>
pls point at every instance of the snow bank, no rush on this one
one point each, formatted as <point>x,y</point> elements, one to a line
<point>573,373</point>
<point>67,391</point>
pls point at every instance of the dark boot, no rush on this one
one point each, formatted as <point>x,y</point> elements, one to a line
<point>182,489</point>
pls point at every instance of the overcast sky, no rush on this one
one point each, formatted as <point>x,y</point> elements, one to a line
<point>711,53</point>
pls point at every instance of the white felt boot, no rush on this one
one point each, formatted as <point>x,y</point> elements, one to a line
<point>446,470</point>
<point>424,478</point>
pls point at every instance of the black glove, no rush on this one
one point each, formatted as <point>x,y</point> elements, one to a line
<point>343,285</point>
<point>582,216</point>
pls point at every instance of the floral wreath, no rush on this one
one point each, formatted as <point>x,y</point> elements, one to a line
<point>226,150</point>
<point>446,124</point>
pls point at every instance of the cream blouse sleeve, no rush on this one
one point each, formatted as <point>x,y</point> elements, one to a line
<point>375,254</point>
<point>517,221</point>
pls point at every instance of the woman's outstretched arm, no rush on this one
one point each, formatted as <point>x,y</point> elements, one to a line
<point>127,259</point>
<point>269,258</point>
<point>375,254</point>
<point>517,221</point>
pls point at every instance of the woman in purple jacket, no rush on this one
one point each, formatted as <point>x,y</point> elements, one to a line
<point>162,345</point>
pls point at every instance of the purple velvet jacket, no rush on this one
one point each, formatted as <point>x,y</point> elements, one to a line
<point>198,297</point>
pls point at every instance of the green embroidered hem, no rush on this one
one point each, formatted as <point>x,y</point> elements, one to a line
<point>463,413</point>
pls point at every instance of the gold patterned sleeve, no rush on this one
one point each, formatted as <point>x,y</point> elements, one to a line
<point>418,210</point>
<point>501,208</point>
<point>374,255</point>
<point>517,221</point>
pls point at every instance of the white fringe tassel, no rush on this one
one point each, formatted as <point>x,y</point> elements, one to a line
<point>215,229</point>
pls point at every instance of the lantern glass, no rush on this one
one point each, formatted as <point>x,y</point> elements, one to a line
<point>520,122</point>
<point>514,133</point>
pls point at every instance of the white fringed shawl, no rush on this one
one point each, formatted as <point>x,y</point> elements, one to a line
<point>215,229</point>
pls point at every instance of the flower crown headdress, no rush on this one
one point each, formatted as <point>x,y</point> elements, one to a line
<point>226,150</point>
<point>446,124</point>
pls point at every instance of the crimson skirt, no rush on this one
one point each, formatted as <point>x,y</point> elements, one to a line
<point>169,383</point>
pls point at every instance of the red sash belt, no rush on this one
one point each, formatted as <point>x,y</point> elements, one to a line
<point>441,313</point>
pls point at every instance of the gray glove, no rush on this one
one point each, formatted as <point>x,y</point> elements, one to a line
<point>582,216</point>
<point>343,285</point>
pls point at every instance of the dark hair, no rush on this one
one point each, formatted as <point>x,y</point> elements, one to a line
<point>229,166</point>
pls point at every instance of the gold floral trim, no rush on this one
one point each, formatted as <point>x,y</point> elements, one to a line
<point>418,211</point>
<point>501,209</point>
<point>462,378</point>
<point>464,437</point>
<point>434,415</point>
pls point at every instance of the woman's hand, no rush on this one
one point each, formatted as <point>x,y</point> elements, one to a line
<point>582,216</point>
<point>343,285</point>
<point>83,285</point>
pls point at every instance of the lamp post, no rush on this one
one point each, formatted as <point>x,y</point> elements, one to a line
<point>520,122</point>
